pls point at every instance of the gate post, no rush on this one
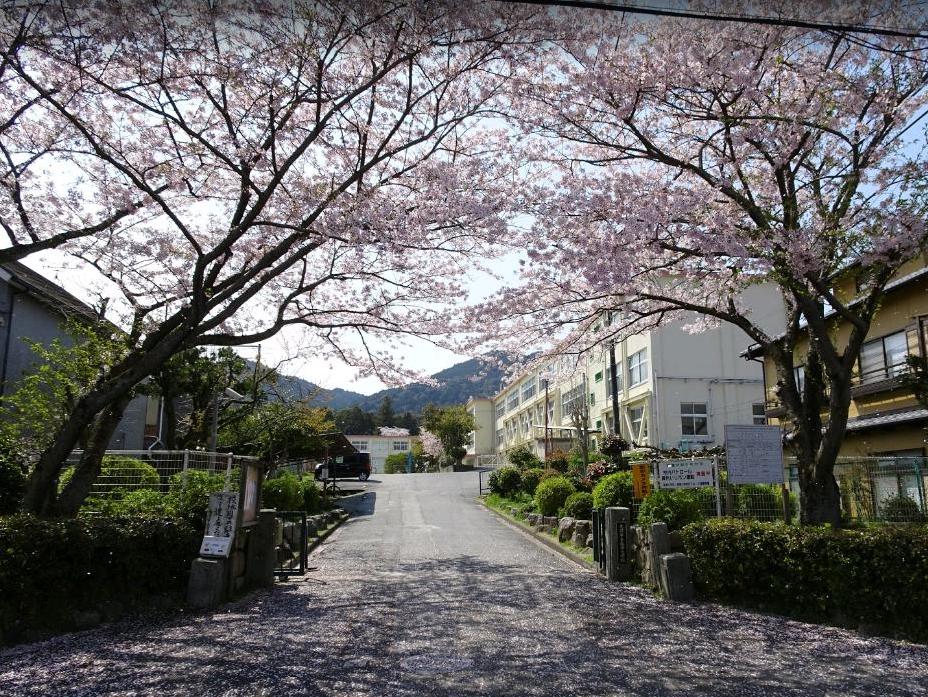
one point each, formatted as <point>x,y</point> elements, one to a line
<point>618,562</point>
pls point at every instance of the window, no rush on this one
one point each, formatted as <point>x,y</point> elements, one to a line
<point>529,389</point>
<point>799,372</point>
<point>638,367</point>
<point>526,422</point>
<point>694,419</point>
<point>499,436</point>
<point>513,401</point>
<point>636,417</point>
<point>598,377</point>
<point>883,358</point>
<point>362,445</point>
<point>758,415</point>
<point>571,400</point>
<point>599,424</point>
<point>592,398</point>
<point>400,446</point>
<point>618,380</point>
<point>500,409</point>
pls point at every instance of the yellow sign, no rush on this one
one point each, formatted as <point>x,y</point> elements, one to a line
<point>641,479</point>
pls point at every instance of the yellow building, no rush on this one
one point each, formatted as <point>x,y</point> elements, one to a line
<point>885,419</point>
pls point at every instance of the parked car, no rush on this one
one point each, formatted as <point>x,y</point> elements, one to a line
<point>353,465</point>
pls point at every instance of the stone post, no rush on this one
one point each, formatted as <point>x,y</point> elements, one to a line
<point>660,545</point>
<point>207,585</point>
<point>618,551</point>
<point>262,557</point>
<point>675,577</point>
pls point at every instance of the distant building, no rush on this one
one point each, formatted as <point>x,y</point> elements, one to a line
<point>676,390</point>
<point>36,309</point>
<point>381,446</point>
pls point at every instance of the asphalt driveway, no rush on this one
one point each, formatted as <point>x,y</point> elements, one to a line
<point>430,594</point>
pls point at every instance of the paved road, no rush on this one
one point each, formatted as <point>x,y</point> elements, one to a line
<point>432,595</point>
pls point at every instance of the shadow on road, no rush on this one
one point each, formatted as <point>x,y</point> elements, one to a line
<point>534,634</point>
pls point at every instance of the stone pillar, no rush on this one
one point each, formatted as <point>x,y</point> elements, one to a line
<point>660,545</point>
<point>262,558</point>
<point>618,551</point>
<point>675,577</point>
<point>207,585</point>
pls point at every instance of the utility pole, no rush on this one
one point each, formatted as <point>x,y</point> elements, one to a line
<point>546,421</point>
<point>614,384</point>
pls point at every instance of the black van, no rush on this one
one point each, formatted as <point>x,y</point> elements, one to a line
<point>348,466</point>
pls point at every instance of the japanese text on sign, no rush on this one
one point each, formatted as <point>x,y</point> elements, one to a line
<point>685,474</point>
<point>220,525</point>
<point>641,479</point>
<point>755,454</point>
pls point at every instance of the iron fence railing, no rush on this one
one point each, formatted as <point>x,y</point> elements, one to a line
<point>888,488</point>
<point>159,470</point>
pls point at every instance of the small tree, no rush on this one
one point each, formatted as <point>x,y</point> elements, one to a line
<point>452,426</point>
<point>522,457</point>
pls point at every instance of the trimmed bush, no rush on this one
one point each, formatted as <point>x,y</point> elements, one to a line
<point>188,495</point>
<point>579,506</point>
<point>505,481</point>
<point>873,576</point>
<point>143,503</point>
<point>552,493</point>
<point>312,496</point>
<point>762,502</point>
<point>559,461</point>
<point>901,509</point>
<point>395,464</point>
<point>676,507</point>
<point>530,480</point>
<point>119,474</point>
<point>523,458</point>
<point>52,569</point>
<point>284,492</point>
<point>613,490</point>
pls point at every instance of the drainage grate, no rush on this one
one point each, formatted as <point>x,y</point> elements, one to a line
<point>435,664</point>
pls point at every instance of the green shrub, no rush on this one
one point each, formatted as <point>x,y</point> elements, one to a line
<point>614,490</point>
<point>143,503</point>
<point>551,494</point>
<point>395,464</point>
<point>12,484</point>
<point>559,461</point>
<point>530,479</point>
<point>901,509</point>
<point>188,493</point>
<point>312,496</point>
<point>527,507</point>
<point>51,569</point>
<point>579,506</point>
<point>284,492</point>
<point>676,507</point>
<point>505,481</point>
<point>873,576</point>
<point>762,502</point>
<point>523,458</point>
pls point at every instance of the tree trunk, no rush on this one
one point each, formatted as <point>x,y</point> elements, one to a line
<point>170,423</point>
<point>41,488</point>
<point>820,501</point>
<point>88,469</point>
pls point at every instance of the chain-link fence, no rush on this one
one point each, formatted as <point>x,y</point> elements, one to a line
<point>159,470</point>
<point>891,489</point>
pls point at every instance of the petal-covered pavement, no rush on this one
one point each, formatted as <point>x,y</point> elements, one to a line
<point>430,594</point>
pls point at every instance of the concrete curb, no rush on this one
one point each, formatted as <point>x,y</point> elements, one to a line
<point>324,536</point>
<point>546,540</point>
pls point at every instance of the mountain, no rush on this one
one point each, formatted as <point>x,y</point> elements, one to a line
<point>456,384</point>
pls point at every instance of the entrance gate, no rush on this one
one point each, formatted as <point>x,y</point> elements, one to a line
<point>292,543</point>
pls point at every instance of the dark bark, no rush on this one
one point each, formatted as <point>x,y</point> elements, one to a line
<point>88,469</point>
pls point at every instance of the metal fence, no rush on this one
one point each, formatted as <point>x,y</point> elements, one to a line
<point>121,472</point>
<point>872,489</point>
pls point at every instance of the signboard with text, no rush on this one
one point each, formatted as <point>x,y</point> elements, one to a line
<point>685,474</point>
<point>220,524</point>
<point>641,479</point>
<point>755,454</point>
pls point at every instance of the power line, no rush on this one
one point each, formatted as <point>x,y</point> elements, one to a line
<point>715,17</point>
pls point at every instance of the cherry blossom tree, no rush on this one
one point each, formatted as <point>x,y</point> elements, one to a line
<point>681,162</point>
<point>324,165</point>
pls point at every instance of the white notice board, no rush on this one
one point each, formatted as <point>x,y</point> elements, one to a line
<point>755,454</point>
<point>685,474</point>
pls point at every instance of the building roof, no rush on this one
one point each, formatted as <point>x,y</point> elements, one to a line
<point>755,350</point>
<point>47,292</point>
<point>861,423</point>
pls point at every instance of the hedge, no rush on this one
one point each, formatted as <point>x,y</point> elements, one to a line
<point>505,481</point>
<point>52,570</point>
<point>873,577</point>
<point>614,490</point>
<point>552,493</point>
<point>675,507</point>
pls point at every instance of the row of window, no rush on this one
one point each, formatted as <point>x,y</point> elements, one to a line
<point>879,359</point>
<point>400,446</point>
